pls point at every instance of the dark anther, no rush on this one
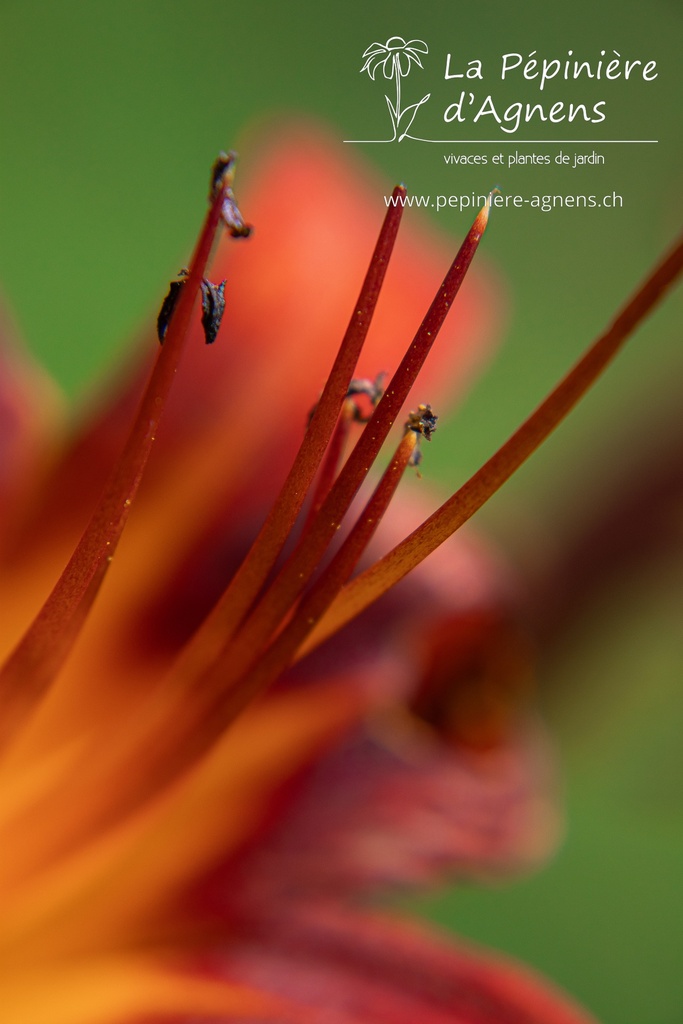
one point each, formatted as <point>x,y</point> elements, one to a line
<point>423,422</point>
<point>372,390</point>
<point>362,397</point>
<point>168,305</point>
<point>232,218</point>
<point>213,307</point>
<point>222,174</point>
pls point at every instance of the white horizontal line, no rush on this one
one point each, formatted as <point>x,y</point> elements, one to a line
<point>518,142</point>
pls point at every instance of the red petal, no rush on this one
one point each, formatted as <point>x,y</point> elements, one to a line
<point>399,807</point>
<point>353,968</point>
<point>463,786</point>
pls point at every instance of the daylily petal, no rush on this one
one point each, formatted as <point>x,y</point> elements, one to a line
<point>394,806</point>
<point>355,968</point>
<point>134,866</point>
<point>450,776</point>
<point>135,985</point>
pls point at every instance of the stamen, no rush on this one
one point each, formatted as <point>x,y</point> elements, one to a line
<point>239,677</point>
<point>32,666</point>
<point>333,456</point>
<point>298,570</point>
<point>370,585</point>
<point>220,624</point>
<point>352,410</point>
<point>185,730</point>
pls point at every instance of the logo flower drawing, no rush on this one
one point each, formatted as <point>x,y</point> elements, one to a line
<point>396,57</point>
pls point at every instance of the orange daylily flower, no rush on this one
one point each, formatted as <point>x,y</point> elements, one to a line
<point>201,783</point>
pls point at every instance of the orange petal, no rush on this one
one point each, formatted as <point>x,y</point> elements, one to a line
<point>121,988</point>
<point>70,887</point>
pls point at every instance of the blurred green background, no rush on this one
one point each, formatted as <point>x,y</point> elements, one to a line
<point>110,114</point>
